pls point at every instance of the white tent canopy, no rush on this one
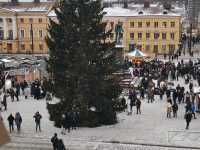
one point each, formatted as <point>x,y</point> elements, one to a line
<point>136,53</point>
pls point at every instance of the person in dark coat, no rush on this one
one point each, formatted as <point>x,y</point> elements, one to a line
<point>67,121</point>
<point>54,141</point>
<point>138,106</point>
<point>37,117</point>
<point>11,122</point>
<point>61,145</point>
<point>168,93</point>
<point>175,109</point>
<point>4,102</point>
<point>12,94</point>
<point>18,121</point>
<point>188,118</point>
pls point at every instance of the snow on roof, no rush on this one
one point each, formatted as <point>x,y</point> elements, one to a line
<point>120,12</point>
<point>31,9</point>
<point>52,14</point>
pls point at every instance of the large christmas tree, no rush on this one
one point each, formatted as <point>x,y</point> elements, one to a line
<point>82,63</point>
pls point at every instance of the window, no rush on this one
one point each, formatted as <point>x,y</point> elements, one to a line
<point>131,47</point>
<point>1,35</point>
<point>156,36</point>
<point>31,20</point>
<point>171,47</point>
<point>147,35</point>
<point>22,47</point>
<point>40,34</point>
<point>22,20</point>
<point>155,49</point>
<point>40,20</point>
<point>139,47</point>
<point>9,46</point>
<point>147,47</point>
<point>132,24</point>
<point>139,24</point>
<point>21,33</point>
<point>41,46</point>
<point>9,20</point>
<point>172,24</point>
<point>164,24</point>
<point>164,47</point>
<point>172,36</point>
<point>140,36</point>
<point>164,36</point>
<point>148,24</point>
<point>156,24</point>
<point>132,36</point>
<point>10,35</point>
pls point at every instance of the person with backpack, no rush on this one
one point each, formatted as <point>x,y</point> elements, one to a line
<point>188,118</point>
<point>175,109</point>
<point>11,122</point>
<point>18,121</point>
<point>54,141</point>
<point>38,118</point>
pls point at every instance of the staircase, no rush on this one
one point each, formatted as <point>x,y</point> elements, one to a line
<point>125,78</point>
<point>36,142</point>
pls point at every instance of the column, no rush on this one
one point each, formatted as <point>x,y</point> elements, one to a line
<point>5,30</point>
<point>14,27</point>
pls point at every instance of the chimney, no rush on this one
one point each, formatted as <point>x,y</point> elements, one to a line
<point>14,2</point>
<point>146,4</point>
<point>36,1</point>
<point>167,6</point>
<point>125,3</point>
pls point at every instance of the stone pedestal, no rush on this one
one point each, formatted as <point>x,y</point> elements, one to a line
<point>4,138</point>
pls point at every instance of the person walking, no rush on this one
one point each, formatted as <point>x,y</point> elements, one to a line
<point>188,118</point>
<point>38,118</point>
<point>11,122</point>
<point>169,109</point>
<point>5,101</point>
<point>193,110</point>
<point>54,141</point>
<point>68,121</point>
<point>61,145</point>
<point>18,121</point>
<point>138,106</point>
<point>175,109</point>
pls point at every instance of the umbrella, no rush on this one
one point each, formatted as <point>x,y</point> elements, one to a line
<point>136,53</point>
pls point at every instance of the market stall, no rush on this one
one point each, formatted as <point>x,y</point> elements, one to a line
<point>136,56</point>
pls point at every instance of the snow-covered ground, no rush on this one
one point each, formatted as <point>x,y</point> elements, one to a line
<point>151,127</point>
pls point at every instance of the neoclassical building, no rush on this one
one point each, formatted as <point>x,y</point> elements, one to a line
<point>23,28</point>
<point>151,31</point>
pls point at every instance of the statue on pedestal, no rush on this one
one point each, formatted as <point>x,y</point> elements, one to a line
<point>118,32</point>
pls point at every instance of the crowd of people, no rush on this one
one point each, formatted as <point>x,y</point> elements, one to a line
<point>166,74</point>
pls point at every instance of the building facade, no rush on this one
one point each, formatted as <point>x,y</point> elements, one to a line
<point>193,12</point>
<point>23,29</point>
<point>151,33</point>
